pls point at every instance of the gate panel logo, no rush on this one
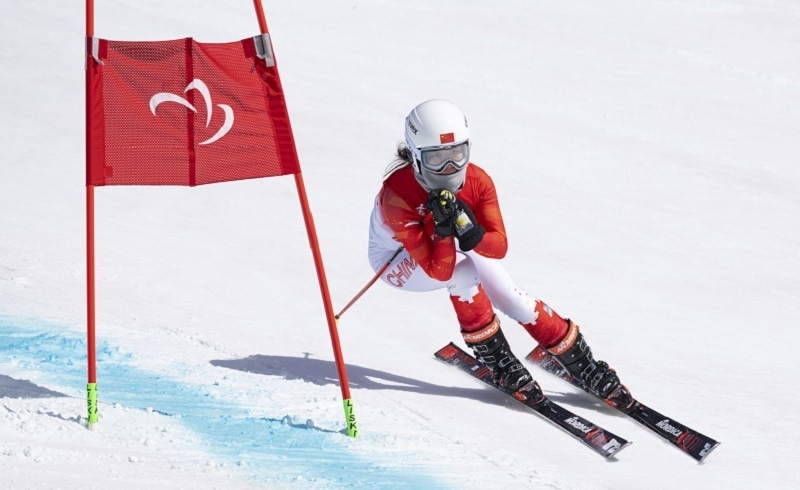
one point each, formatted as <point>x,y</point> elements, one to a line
<point>201,87</point>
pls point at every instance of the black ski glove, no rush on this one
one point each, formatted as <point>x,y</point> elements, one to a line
<point>469,232</point>
<point>442,203</point>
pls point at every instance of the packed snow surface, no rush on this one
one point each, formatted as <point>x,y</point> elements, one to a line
<point>646,157</point>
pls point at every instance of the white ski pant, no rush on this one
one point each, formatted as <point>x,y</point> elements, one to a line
<point>471,270</point>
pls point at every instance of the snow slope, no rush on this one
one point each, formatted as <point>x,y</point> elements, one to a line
<point>646,156</point>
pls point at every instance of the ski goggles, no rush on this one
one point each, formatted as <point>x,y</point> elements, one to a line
<point>436,159</point>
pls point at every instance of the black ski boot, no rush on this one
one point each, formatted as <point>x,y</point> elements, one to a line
<point>596,376</point>
<point>491,348</point>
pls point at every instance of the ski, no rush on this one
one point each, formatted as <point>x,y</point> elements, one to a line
<point>596,438</point>
<point>688,440</point>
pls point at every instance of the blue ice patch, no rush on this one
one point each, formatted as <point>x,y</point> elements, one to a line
<point>260,449</point>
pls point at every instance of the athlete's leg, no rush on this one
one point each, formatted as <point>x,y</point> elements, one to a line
<point>540,321</point>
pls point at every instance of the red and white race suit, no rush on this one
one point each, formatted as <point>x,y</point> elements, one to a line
<point>476,280</point>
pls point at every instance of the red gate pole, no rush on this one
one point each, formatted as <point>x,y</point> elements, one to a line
<point>91,386</point>
<point>350,418</point>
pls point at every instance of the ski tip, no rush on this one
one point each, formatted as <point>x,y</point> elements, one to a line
<point>704,454</point>
<point>606,444</point>
<point>613,456</point>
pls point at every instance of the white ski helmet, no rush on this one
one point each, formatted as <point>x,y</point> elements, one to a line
<point>438,136</point>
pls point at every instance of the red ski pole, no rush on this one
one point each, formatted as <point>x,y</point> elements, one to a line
<point>370,283</point>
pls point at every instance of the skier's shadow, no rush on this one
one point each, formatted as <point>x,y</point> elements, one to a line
<point>579,400</point>
<point>324,373</point>
<point>21,388</point>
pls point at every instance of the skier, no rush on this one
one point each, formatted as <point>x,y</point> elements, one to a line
<point>444,212</point>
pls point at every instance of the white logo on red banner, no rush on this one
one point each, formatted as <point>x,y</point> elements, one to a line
<point>201,87</point>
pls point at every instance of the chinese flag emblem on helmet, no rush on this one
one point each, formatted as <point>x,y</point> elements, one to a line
<point>447,138</point>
